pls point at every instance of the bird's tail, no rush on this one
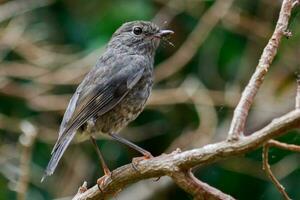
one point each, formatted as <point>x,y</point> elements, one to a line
<point>57,153</point>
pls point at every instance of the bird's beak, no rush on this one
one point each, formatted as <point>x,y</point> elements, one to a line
<point>163,33</point>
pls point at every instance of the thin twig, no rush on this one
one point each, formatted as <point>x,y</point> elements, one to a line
<point>82,189</point>
<point>169,163</point>
<point>27,140</point>
<point>198,189</point>
<point>11,35</point>
<point>284,146</point>
<point>267,168</point>
<point>195,92</point>
<point>241,111</point>
<point>296,3</point>
<point>13,8</point>
<point>171,8</point>
<point>249,26</point>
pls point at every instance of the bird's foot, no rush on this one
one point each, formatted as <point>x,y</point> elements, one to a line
<point>101,181</point>
<point>136,160</point>
<point>157,179</point>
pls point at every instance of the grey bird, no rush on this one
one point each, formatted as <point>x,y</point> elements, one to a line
<point>114,92</point>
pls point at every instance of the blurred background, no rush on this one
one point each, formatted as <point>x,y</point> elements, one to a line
<point>47,46</point>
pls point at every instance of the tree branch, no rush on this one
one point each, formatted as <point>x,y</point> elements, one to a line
<point>266,165</point>
<point>281,145</point>
<point>200,190</point>
<point>168,164</point>
<point>241,111</point>
<point>13,8</point>
<point>27,140</point>
<point>267,169</point>
<point>284,146</point>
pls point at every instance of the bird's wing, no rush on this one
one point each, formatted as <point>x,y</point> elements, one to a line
<point>101,98</point>
<point>89,101</point>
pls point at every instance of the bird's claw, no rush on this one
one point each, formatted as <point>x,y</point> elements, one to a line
<point>136,160</point>
<point>102,180</point>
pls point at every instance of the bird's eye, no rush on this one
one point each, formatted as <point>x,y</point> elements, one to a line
<point>137,30</point>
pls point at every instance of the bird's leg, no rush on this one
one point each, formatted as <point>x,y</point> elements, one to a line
<point>106,170</point>
<point>146,154</point>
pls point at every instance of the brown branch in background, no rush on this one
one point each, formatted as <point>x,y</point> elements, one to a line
<point>198,189</point>
<point>266,165</point>
<point>188,49</point>
<point>164,16</point>
<point>284,146</point>
<point>296,3</point>
<point>26,140</point>
<point>13,8</point>
<point>63,75</point>
<point>181,95</point>
<point>52,102</point>
<point>195,92</point>
<point>267,169</point>
<point>11,35</point>
<point>168,164</point>
<point>246,25</point>
<point>42,56</point>
<point>241,111</point>
<point>252,168</point>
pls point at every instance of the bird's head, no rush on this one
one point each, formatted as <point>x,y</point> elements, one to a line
<point>141,37</point>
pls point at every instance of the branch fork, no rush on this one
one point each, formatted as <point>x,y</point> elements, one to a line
<point>178,164</point>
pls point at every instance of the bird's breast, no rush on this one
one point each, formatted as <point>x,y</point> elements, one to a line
<point>128,108</point>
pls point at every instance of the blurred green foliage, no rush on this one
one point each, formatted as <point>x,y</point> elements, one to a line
<point>225,60</point>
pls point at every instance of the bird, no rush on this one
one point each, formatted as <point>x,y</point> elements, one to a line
<point>114,91</point>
